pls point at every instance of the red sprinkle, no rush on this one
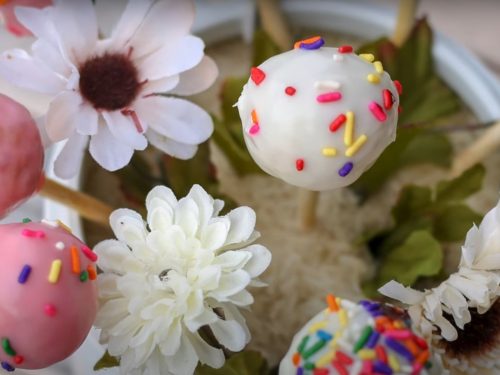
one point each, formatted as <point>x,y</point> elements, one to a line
<point>290,90</point>
<point>89,253</point>
<point>329,97</point>
<point>33,233</point>
<point>50,310</point>
<point>399,87</point>
<point>343,358</point>
<point>381,354</point>
<point>345,49</point>
<point>18,359</point>
<point>321,371</point>
<point>377,111</point>
<point>338,122</point>
<point>257,75</point>
<point>388,99</point>
<point>254,129</point>
<point>422,344</point>
<point>340,368</point>
<point>299,164</point>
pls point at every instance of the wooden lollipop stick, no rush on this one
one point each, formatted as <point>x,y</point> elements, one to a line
<point>478,150</point>
<point>88,207</point>
<point>308,202</point>
<point>405,21</point>
<point>274,23</point>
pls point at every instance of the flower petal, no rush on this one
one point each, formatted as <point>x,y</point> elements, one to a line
<point>204,201</point>
<point>185,359</point>
<point>170,340</point>
<point>230,284</point>
<point>197,79</point>
<point>38,22</point>
<point>163,194</point>
<point>68,162</point>
<point>108,152</point>
<point>114,256</point>
<point>397,291</point>
<point>20,69</point>
<point>186,216</point>
<point>160,85</point>
<point>232,260</point>
<point>62,114</point>
<point>175,118</point>
<point>176,149</point>
<point>242,224</point>
<point>123,129</point>
<point>206,317</point>
<point>207,354</point>
<point>261,258</point>
<point>128,226</point>
<point>214,235</point>
<point>230,334</point>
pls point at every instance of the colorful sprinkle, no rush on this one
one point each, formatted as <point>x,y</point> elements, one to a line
<point>64,226</point>
<point>423,357</point>
<point>381,353</point>
<point>50,310</point>
<point>26,220</point>
<point>366,354</point>
<point>321,371</point>
<point>422,344</point>
<point>332,303</point>
<point>24,274</point>
<point>84,276</point>
<point>372,341</point>
<point>313,349</point>
<point>325,359</point>
<point>60,245</point>
<point>7,367</point>
<point>340,368</point>
<point>309,366</point>
<point>388,99</point>
<point>255,117</point>
<point>377,111</point>
<point>398,334</point>
<point>381,368</point>
<point>7,348</point>
<point>75,260</point>
<point>92,272</point>
<point>373,78</point>
<point>317,326</point>
<point>312,43</point>
<point>254,129</point>
<point>338,122</point>
<point>399,87</point>
<point>18,359</point>
<point>394,363</point>
<point>349,129</point>
<point>343,358</point>
<point>343,318</point>
<point>296,359</point>
<point>323,335</point>
<point>367,367</point>
<point>367,56</point>
<point>411,346</point>
<point>300,371</point>
<point>329,151</point>
<point>345,49</point>
<point>89,254</point>
<point>299,164</point>
<point>322,85</point>
<point>356,145</point>
<point>329,97</point>
<point>363,338</point>
<point>290,90</point>
<point>417,367</point>
<point>346,169</point>
<point>400,349</point>
<point>55,271</point>
<point>303,344</point>
<point>33,233</point>
<point>379,68</point>
<point>257,75</point>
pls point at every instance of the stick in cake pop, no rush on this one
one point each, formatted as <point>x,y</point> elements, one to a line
<point>365,338</point>
<point>48,294</point>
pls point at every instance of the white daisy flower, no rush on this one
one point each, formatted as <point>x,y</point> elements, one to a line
<point>106,89</point>
<point>462,315</point>
<point>184,269</point>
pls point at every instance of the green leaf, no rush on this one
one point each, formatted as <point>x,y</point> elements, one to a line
<point>229,94</point>
<point>243,363</point>
<point>412,201</point>
<point>432,148</point>
<point>461,187</point>
<point>453,222</point>
<point>106,361</point>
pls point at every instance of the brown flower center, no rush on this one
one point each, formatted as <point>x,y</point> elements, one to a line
<point>479,336</point>
<point>109,82</point>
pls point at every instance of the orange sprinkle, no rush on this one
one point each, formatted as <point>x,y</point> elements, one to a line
<point>399,324</point>
<point>332,303</point>
<point>412,347</point>
<point>423,357</point>
<point>296,359</point>
<point>255,118</point>
<point>92,272</point>
<point>306,41</point>
<point>75,260</point>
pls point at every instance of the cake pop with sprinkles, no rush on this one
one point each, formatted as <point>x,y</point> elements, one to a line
<point>48,294</point>
<point>318,117</point>
<point>358,339</point>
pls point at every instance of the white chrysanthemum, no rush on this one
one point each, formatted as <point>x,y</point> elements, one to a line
<point>464,303</point>
<point>106,89</point>
<point>184,269</point>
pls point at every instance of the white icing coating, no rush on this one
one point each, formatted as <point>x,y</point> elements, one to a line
<point>357,319</point>
<point>293,127</point>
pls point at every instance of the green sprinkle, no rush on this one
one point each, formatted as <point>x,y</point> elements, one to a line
<point>303,344</point>
<point>313,349</point>
<point>309,366</point>
<point>7,348</point>
<point>84,276</point>
<point>26,220</point>
<point>365,334</point>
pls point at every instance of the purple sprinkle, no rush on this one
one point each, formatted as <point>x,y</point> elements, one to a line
<point>323,335</point>
<point>7,367</point>
<point>300,371</point>
<point>365,303</point>
<point>400,349</point>
<point>372,341</point>
<point>346,169</point>
<point>311,46</point>
<point>25,272</point>
<point>374,307</point>
<point>381,368</point>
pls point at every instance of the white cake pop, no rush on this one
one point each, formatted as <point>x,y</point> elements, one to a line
<point>318,117</point>
<point>365,338</point>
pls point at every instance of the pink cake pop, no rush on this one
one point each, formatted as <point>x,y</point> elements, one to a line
<point>48,297</point>
<point>21,155</point>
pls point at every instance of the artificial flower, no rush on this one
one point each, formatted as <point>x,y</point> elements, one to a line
<point>185,268</point>
<point>462,315</point>
<point>11,22</point>
<point>106,90</point>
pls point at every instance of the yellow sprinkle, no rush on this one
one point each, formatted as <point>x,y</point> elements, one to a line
<point>399,324</point>
<point>325,360</point>
<point>373,78</point>
<point>378,67</point>
<point>349,128</point>
<point>366,354</point>
<point>367,56</point>
<point>329,151</point>
<point>394,363</point>
<point>356,145</point>
<point>343,317</point>
<point>55,271</point>
<point>64,226</point>
<point>317,326</point>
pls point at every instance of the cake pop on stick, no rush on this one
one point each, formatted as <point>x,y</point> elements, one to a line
<point>48,294</point>
<point>21,167</point>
